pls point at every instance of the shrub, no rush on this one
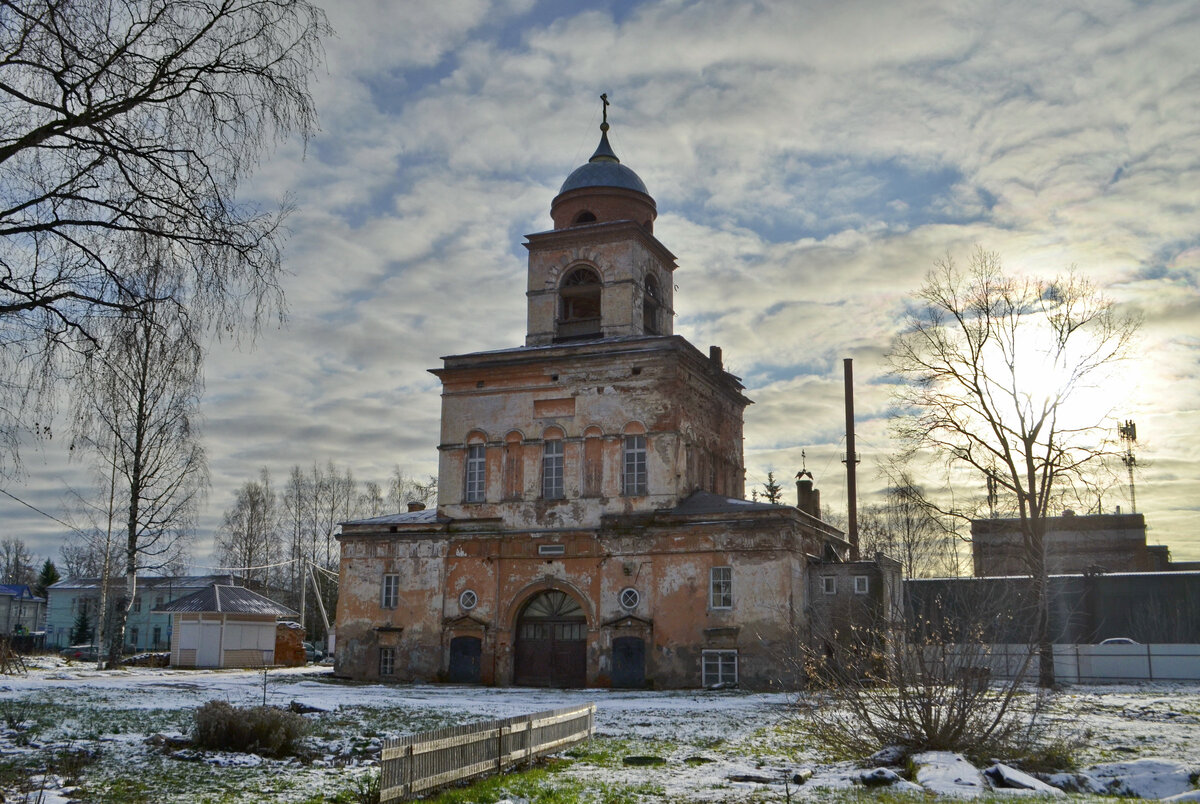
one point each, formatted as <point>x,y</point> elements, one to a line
<point>919,689</point>
<point>263,730</point>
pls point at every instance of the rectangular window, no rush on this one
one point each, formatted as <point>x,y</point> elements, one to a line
<point>475,473</point>
<point>861,584</point>
<point>829,584</point>
<point>721,588</point>
<point>633,479</point>
<point>133,635</point>
<point>391,591</point>
<point>387,661</point>
<point>158,601</point>
<point>157,635</point>
<point>137,605</point>
<point>552,549</point>
<point>552,470</point>
<point>720,668</point>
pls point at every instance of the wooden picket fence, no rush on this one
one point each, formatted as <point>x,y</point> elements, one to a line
<point>421,762</point>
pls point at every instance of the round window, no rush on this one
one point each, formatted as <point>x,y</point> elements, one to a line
<point>468,599</point>
<point>630,598</point>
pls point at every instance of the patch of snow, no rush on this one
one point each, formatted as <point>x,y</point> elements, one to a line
<point>1143,778</point>
<point>946,774</point>
<point>1003,777</point>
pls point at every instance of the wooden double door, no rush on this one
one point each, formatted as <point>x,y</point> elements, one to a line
<point>551,644</point>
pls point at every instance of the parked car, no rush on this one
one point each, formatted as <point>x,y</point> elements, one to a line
<point>82,653</point>
<point>1119,641</point>
<point>312,653</point>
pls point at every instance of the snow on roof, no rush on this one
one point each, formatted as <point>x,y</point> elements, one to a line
<point>146,582</point>
<point>228,600</point>
<point>427,516</point>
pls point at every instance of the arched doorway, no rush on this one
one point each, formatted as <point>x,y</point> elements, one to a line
<point>551,642</point>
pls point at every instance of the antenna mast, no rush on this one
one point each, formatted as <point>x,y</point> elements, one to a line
<point>1128,434</point>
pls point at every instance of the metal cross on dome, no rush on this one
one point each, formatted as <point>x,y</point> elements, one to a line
<point>604,100</point>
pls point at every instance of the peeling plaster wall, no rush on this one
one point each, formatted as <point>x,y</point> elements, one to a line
<point>689,409</point>
<point>668,564</point>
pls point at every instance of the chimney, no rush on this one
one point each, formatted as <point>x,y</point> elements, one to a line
<point>808,499</point>
<point>714,357</point>
<point>851,463</point>
<point>415,506</point>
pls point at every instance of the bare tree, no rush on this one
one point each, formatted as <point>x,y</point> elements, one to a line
<point>136,416</point>
<point>248,541</point>
<point>16,562</point>
<point>403,489</point>
<point>999,371</point>
<point>905,527</point>
<point>137,119</point>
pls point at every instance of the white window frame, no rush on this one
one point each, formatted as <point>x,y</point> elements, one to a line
<point>720,588</point>
<point>387,661</point>
<point>468,599</point>
<point>475,485</point>
<point>389,591</point>
<point>629,598</point>
<point>829,584</point>
<point>634,478</point>
<point>552,469</point>
<point>716,667</point>
<point>862,584</point>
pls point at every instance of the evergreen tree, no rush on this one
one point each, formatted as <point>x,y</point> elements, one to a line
<point>46,578</point>
<point>772,491</point>
<point>81,631</point>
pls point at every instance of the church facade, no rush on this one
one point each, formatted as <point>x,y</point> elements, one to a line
<point>591,527</point>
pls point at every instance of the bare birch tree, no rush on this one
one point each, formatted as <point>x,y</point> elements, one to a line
<point>248,540</point>
<point>136,414</point>
<point>1000,373</point>
<point>133,119</point>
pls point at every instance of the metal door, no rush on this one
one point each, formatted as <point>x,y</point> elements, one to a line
<point>464,660</point>
<point>629,662</point>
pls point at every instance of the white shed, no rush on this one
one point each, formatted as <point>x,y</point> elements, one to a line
<point>224,626</point>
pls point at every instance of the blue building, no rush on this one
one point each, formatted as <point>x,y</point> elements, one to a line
<point>145,630</point>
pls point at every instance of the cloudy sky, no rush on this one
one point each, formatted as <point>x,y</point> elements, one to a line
<point>810,162</point>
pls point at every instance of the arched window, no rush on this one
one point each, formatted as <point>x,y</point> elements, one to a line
<point>579,305</point>
<point>552,465</point>
<point>652,304</point>
<point>585,217</point>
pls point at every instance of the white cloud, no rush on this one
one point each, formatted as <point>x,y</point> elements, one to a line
<point>809,160</point>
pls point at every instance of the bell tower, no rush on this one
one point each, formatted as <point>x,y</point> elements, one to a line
<point>600,272</point>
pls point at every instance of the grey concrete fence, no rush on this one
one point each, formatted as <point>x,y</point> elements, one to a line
<point>418,763</point>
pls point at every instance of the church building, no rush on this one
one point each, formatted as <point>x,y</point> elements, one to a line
<point>591,527</point>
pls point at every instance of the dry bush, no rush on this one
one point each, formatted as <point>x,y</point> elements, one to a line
<point>262,730</point>
<point>918,689</point>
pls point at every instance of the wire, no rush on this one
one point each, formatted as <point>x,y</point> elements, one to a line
<point>71,528</point>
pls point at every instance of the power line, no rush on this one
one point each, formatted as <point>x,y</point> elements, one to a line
<point>71,528</point>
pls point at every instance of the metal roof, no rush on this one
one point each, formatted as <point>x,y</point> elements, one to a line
<point>148,582</point>
<point>426,517</point>
<point>705,502</point>
<point>17,590</point>
<point>228,600</point>
<point>604,169</point>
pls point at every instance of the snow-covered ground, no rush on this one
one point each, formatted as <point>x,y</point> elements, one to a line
<point>714,746</point>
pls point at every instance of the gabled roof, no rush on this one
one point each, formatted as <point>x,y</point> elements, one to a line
<point>17,590</point>
<point>148,582</point>
<point>223,599</point>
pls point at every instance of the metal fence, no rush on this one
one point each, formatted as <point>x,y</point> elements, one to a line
<point>1098,664</point>
<point>421,762</point>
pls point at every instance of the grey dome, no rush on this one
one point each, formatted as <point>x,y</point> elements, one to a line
<point>603,170</point>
